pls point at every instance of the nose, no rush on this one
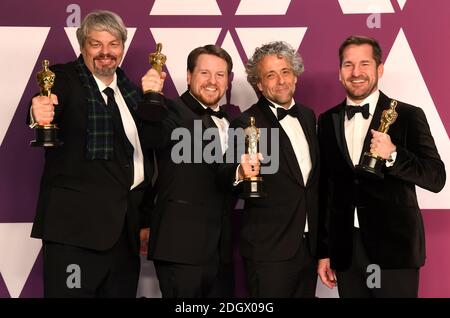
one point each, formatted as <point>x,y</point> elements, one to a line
<point>356,71</point>
<point>104,49</point>
<point>212,79</point>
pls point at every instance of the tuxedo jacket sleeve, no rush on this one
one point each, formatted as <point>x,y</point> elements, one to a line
<point>418,161</point>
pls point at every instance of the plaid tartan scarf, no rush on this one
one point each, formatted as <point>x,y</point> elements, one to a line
<point>100,129</point>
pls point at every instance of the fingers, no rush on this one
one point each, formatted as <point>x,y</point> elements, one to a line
<point>144,237</point>
<point>324,278</point>
<point>54,99</point>
<point>381,144</point>
<point>153,81</point>
<point>326,274</point>
<point>42,109</point>
<point>250,170</point>
<point>328,279</point>
<point>331,278</point>
<point>250,165</point>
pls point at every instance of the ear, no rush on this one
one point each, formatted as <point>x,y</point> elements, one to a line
<point>380,70</point>
<point>259,86</point>
<point>188,77</point>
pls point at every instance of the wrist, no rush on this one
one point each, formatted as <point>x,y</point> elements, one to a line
<point>153,91</point>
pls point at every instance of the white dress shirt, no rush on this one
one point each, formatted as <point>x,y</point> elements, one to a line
<point>129,127</point>
<point>297,137</point>
<point>222,125</point>
<point>356,130</point>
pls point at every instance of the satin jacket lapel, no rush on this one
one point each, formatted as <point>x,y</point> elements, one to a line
<point>195,106</point>
<point>285,144</point>
<point>198,110</point>
<point>338,123</point>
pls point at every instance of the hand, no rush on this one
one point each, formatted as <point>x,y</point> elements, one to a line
<point>381,144</point>
<point>43,109</point>
<point>250,165</point>
<point>326,274</point>
<point>144,237</point>
<point>153,81</point>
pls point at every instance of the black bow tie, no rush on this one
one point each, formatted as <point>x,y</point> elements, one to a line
<point>352,110</point>
<point>220,113</point>
<point>282,112</point>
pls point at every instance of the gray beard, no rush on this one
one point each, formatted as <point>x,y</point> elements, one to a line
<point>105,71</point>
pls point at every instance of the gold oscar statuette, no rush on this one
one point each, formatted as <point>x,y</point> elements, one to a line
<point>46,135</point>
<point>252,186</point>
<point>371,164</point>
<point>157,59</point>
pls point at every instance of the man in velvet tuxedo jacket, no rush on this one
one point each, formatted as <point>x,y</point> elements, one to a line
<point>190,240</point>
<point>373,221</point>
<point>87,213</point>
<point>279,231</point>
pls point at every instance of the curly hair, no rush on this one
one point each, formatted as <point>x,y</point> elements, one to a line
<point>279,48</point>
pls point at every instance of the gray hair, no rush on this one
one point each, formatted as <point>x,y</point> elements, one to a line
<point>278,48</point>
<point>101,20</point>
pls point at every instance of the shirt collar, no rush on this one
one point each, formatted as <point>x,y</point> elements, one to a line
<point>372,100</point>
<point>279,106</point>
<point>102,86</point>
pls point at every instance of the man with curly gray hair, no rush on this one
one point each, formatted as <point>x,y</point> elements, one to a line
<point>279,231</point>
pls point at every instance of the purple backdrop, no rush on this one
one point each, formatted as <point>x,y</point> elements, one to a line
<point>425,23</point>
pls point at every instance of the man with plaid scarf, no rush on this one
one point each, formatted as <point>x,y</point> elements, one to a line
<point>87,213</point>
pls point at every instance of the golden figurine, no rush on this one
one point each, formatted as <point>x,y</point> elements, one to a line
<point>371,164</point>
<point>45,79</point>
<point>252,186</point>
<point>46,135</point>
<point>157,59</point>
<point>251,137</point>
<point>388,117</point>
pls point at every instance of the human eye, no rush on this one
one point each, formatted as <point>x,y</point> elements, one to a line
<point>115,44</point>
<point>347,65</point>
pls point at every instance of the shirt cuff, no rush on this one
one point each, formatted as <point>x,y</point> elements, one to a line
<point>236,178</point>
<point>391,161</point>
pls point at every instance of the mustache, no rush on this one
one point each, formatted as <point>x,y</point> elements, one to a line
<point>353,78</point>
<point>103,56</point>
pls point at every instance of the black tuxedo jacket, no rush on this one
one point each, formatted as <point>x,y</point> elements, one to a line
<point>272,227</point>
<point>191,220</point>
<point>389,216</point>
<point>84,202</point>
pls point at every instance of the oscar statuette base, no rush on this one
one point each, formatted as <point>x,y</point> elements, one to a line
<point>252,188</point>
<point>46,136</point>
<point>370,166</point>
